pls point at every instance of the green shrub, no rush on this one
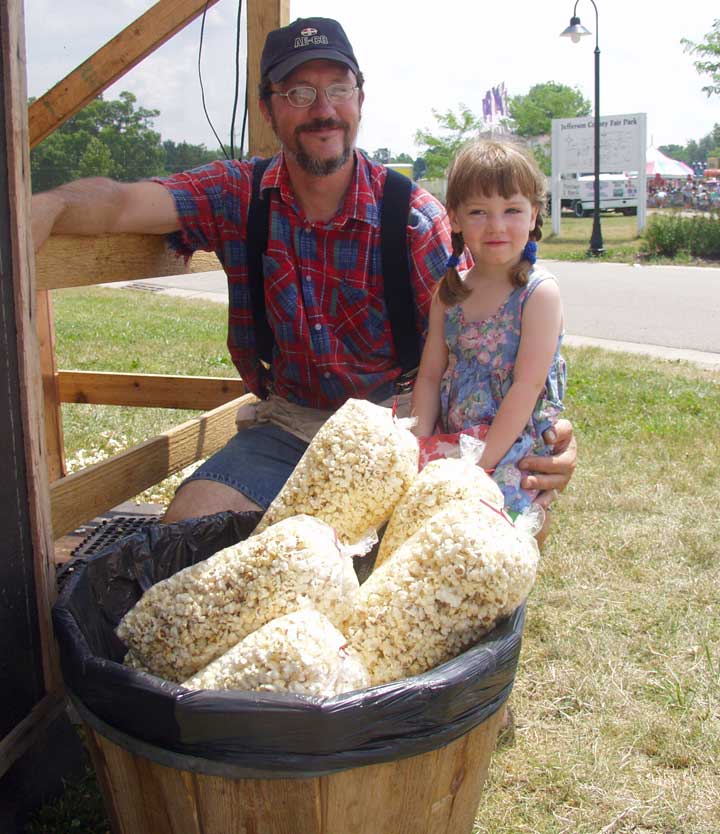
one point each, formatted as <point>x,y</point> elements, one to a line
<point>669,235</point>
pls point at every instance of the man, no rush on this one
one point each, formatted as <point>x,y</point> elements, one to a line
<point>322,282</point>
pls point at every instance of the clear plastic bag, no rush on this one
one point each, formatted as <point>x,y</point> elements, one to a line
<point>353,472</point>
<point>301,652</point>
<point>186,621</point>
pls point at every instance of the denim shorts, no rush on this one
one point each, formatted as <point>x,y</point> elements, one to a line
<point>256,462</point>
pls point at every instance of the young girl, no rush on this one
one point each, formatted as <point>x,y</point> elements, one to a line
<point>491,364</point>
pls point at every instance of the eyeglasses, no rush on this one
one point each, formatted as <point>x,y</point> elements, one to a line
<point>304,96</point>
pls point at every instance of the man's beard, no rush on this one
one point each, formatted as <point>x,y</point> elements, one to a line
<point>312,165</point>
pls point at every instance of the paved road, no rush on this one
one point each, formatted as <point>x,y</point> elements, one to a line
<point>669,311</point>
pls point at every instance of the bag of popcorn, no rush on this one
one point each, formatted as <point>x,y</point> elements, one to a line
<point>184,622</point>
<point>441,590</point>
<point>443,480</point>
<point>301,652</point>
<point>353,472</point>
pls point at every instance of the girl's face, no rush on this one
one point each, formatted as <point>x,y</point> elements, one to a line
<point>495,229</point>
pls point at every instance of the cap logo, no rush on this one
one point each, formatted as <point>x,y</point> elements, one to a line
<point>311,40</point>
<point>307,32</point>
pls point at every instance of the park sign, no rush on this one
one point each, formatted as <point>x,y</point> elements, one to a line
<point>622,151</point>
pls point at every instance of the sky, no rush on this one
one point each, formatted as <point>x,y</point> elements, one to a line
<point>417,58</point>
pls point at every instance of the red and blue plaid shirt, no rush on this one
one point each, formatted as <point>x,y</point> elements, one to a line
<point>323,281</point>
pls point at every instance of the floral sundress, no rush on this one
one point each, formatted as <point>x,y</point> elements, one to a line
<point>481,358</point>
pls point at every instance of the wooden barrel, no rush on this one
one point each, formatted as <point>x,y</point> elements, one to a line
<point>155,792</point>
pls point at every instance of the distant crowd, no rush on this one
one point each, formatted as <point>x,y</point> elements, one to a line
<point>698,195</point>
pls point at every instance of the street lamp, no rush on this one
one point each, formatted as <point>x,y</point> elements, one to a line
<point>575,31</point>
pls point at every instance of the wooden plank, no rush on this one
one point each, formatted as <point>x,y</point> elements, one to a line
<point>51,393</point>
<point>80,261</point>
<point>431,793</point>
<point>96,489</point>
<point>109,63</point>
<point>262,17</point>
<point>119,783</point>
<point>30,729</point>
<point>152,390</point>
<point>436,792</point>
<point>17,268</point>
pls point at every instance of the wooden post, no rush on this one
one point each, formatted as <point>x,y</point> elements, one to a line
<point>262,17</point>
<point>51,389</point>
<point>29,662</point>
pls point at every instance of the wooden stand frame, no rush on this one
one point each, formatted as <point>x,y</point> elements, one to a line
<point>57,502</point>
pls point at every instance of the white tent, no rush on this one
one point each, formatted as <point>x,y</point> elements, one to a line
<point>657,163</point>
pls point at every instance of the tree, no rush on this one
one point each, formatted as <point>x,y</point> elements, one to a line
<point>403,158</point>
<point>457,129</point>
<point>710,145</point>
<point>696,152</point>
<point>534,112</point>
<point>709,57</point>
<point>679,152</point>
<point>183,156</point>
<point>543,159</point>
<point>381,155</point>
<point>106,138</point>
<point>96,160</point>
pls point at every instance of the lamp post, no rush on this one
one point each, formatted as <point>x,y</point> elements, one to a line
<point>575,31</point>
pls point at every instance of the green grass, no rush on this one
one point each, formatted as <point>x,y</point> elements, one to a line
<point>132,331</point>
<point>79,810</point>
<point>620,240</point>
<point>617,698</point>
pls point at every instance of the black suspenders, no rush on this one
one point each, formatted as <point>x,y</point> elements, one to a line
<point>399,298</point>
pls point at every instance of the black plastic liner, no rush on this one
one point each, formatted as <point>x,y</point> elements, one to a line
<point>281,734</point>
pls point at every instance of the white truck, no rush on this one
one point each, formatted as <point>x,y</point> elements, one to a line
<point>617,191</point>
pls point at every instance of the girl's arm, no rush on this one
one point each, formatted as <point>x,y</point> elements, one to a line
<point>426,392</point>
<point>541,325</point>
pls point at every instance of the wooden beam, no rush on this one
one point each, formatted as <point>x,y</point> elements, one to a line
<point>83,495</point>
<point>51,393</point>
<point>80,261</point>
<point>153,390</point>
<point>111,62</point>
<point>30,729</point>
<point>262,17</point>
<point>20,320</point>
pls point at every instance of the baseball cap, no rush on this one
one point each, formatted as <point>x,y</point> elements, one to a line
<point>307,39</point>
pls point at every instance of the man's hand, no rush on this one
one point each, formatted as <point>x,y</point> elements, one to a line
<point>551,474</point>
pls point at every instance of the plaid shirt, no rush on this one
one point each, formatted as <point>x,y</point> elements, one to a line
<point>323,281</point>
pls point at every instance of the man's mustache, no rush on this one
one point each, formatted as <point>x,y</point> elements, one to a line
<point>321,124</point>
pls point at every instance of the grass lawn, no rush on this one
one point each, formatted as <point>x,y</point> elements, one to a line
<point>620,240</point>
<point>617,698</point>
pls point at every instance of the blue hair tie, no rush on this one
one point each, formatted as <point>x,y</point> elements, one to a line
<point>530,251</point>
<point>452,262</point>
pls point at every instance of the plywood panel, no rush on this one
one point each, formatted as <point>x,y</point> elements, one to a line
<point>80,261</point>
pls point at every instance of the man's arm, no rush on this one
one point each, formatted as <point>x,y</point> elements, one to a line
<point>101,206</point>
